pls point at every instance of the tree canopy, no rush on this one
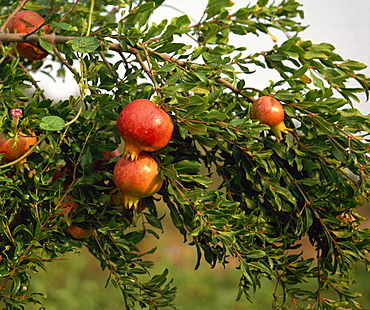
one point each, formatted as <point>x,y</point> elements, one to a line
<point>231,187</point>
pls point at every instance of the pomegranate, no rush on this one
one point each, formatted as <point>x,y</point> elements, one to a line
<point>143,126</point>
<point>26,22</point>
<point>269,111</point>
<point>69,205</point>
<point>137,179</point>
<point>75,231</point>
<point>79,232</point>
<point>14,148</point>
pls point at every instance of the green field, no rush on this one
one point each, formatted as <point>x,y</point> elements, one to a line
<point>77,282</point>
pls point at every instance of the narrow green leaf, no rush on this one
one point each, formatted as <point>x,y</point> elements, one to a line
<point>196,128</point>
<point>256,254</point>
<point>64,26</point>
<point>167,68</point>
<point>352,65</point>
<point>46,45</point>
<point>300,72</point>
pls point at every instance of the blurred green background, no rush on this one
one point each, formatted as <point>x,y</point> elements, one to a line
<point>77,282</point>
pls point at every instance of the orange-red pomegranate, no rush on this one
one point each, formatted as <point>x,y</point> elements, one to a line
<point>143,126</point>
<point>269,111</point>
<point>79,232</point>
<point>137,179</point>
<point>14,148</point>
<point>26,22</point>
<point>75,231</point>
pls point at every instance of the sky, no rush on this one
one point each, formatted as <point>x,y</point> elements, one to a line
<point>343,23</point>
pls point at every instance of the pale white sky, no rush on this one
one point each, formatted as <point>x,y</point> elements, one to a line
<point>343,23</point>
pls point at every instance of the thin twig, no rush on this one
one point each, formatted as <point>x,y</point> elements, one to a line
<point>106,62</point>
<point>64,61</point>
<point>150,72</point>
<point>33,81</point>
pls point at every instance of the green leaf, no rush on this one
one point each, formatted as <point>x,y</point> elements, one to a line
<point>301,71</point>
<point>352,65</point>
<point>216,6</point>
<point>317,81</point>
<point>167,68</point>
<point>262,3</point>
<point>338,151</point>
<point>52,123</point>
<point>64,26</point>
<point>260,266</point>
<point>84,44</point>
<point>35,6</point>
<point>196,128</point>
<point>46,45</point>
<point>187,166</point>
<point>171,47</point>
<point>325,126</point>
<point>256,254</point>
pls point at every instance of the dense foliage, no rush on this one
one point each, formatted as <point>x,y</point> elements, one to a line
<point>232,189</point>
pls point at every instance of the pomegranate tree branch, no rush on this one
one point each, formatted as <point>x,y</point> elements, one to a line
<point>64,61</point>
<point>219,80</point>
<point>57,39</point>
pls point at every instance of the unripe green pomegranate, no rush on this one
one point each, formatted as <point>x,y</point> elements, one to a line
<point>137,179</point>
<point>143,126</point>
<point>269,111</point>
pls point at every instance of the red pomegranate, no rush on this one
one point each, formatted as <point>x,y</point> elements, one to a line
<point>269,111</point>
<point>79,232</point>
<point>26,22</point>
<point>137,179</point>
<point>143,126</point>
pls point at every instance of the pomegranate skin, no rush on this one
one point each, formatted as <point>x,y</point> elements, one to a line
<point>26,22</point>
<point>13,149</point>
<point>143,126</point>
<point>269,111</point>
<point>79,232</point>
<point>69,205</point>
<point>137,179</point>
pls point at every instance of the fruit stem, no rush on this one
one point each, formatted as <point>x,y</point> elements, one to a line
<point>278,129</point>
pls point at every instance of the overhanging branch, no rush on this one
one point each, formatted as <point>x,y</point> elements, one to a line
<point>57,39</point>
